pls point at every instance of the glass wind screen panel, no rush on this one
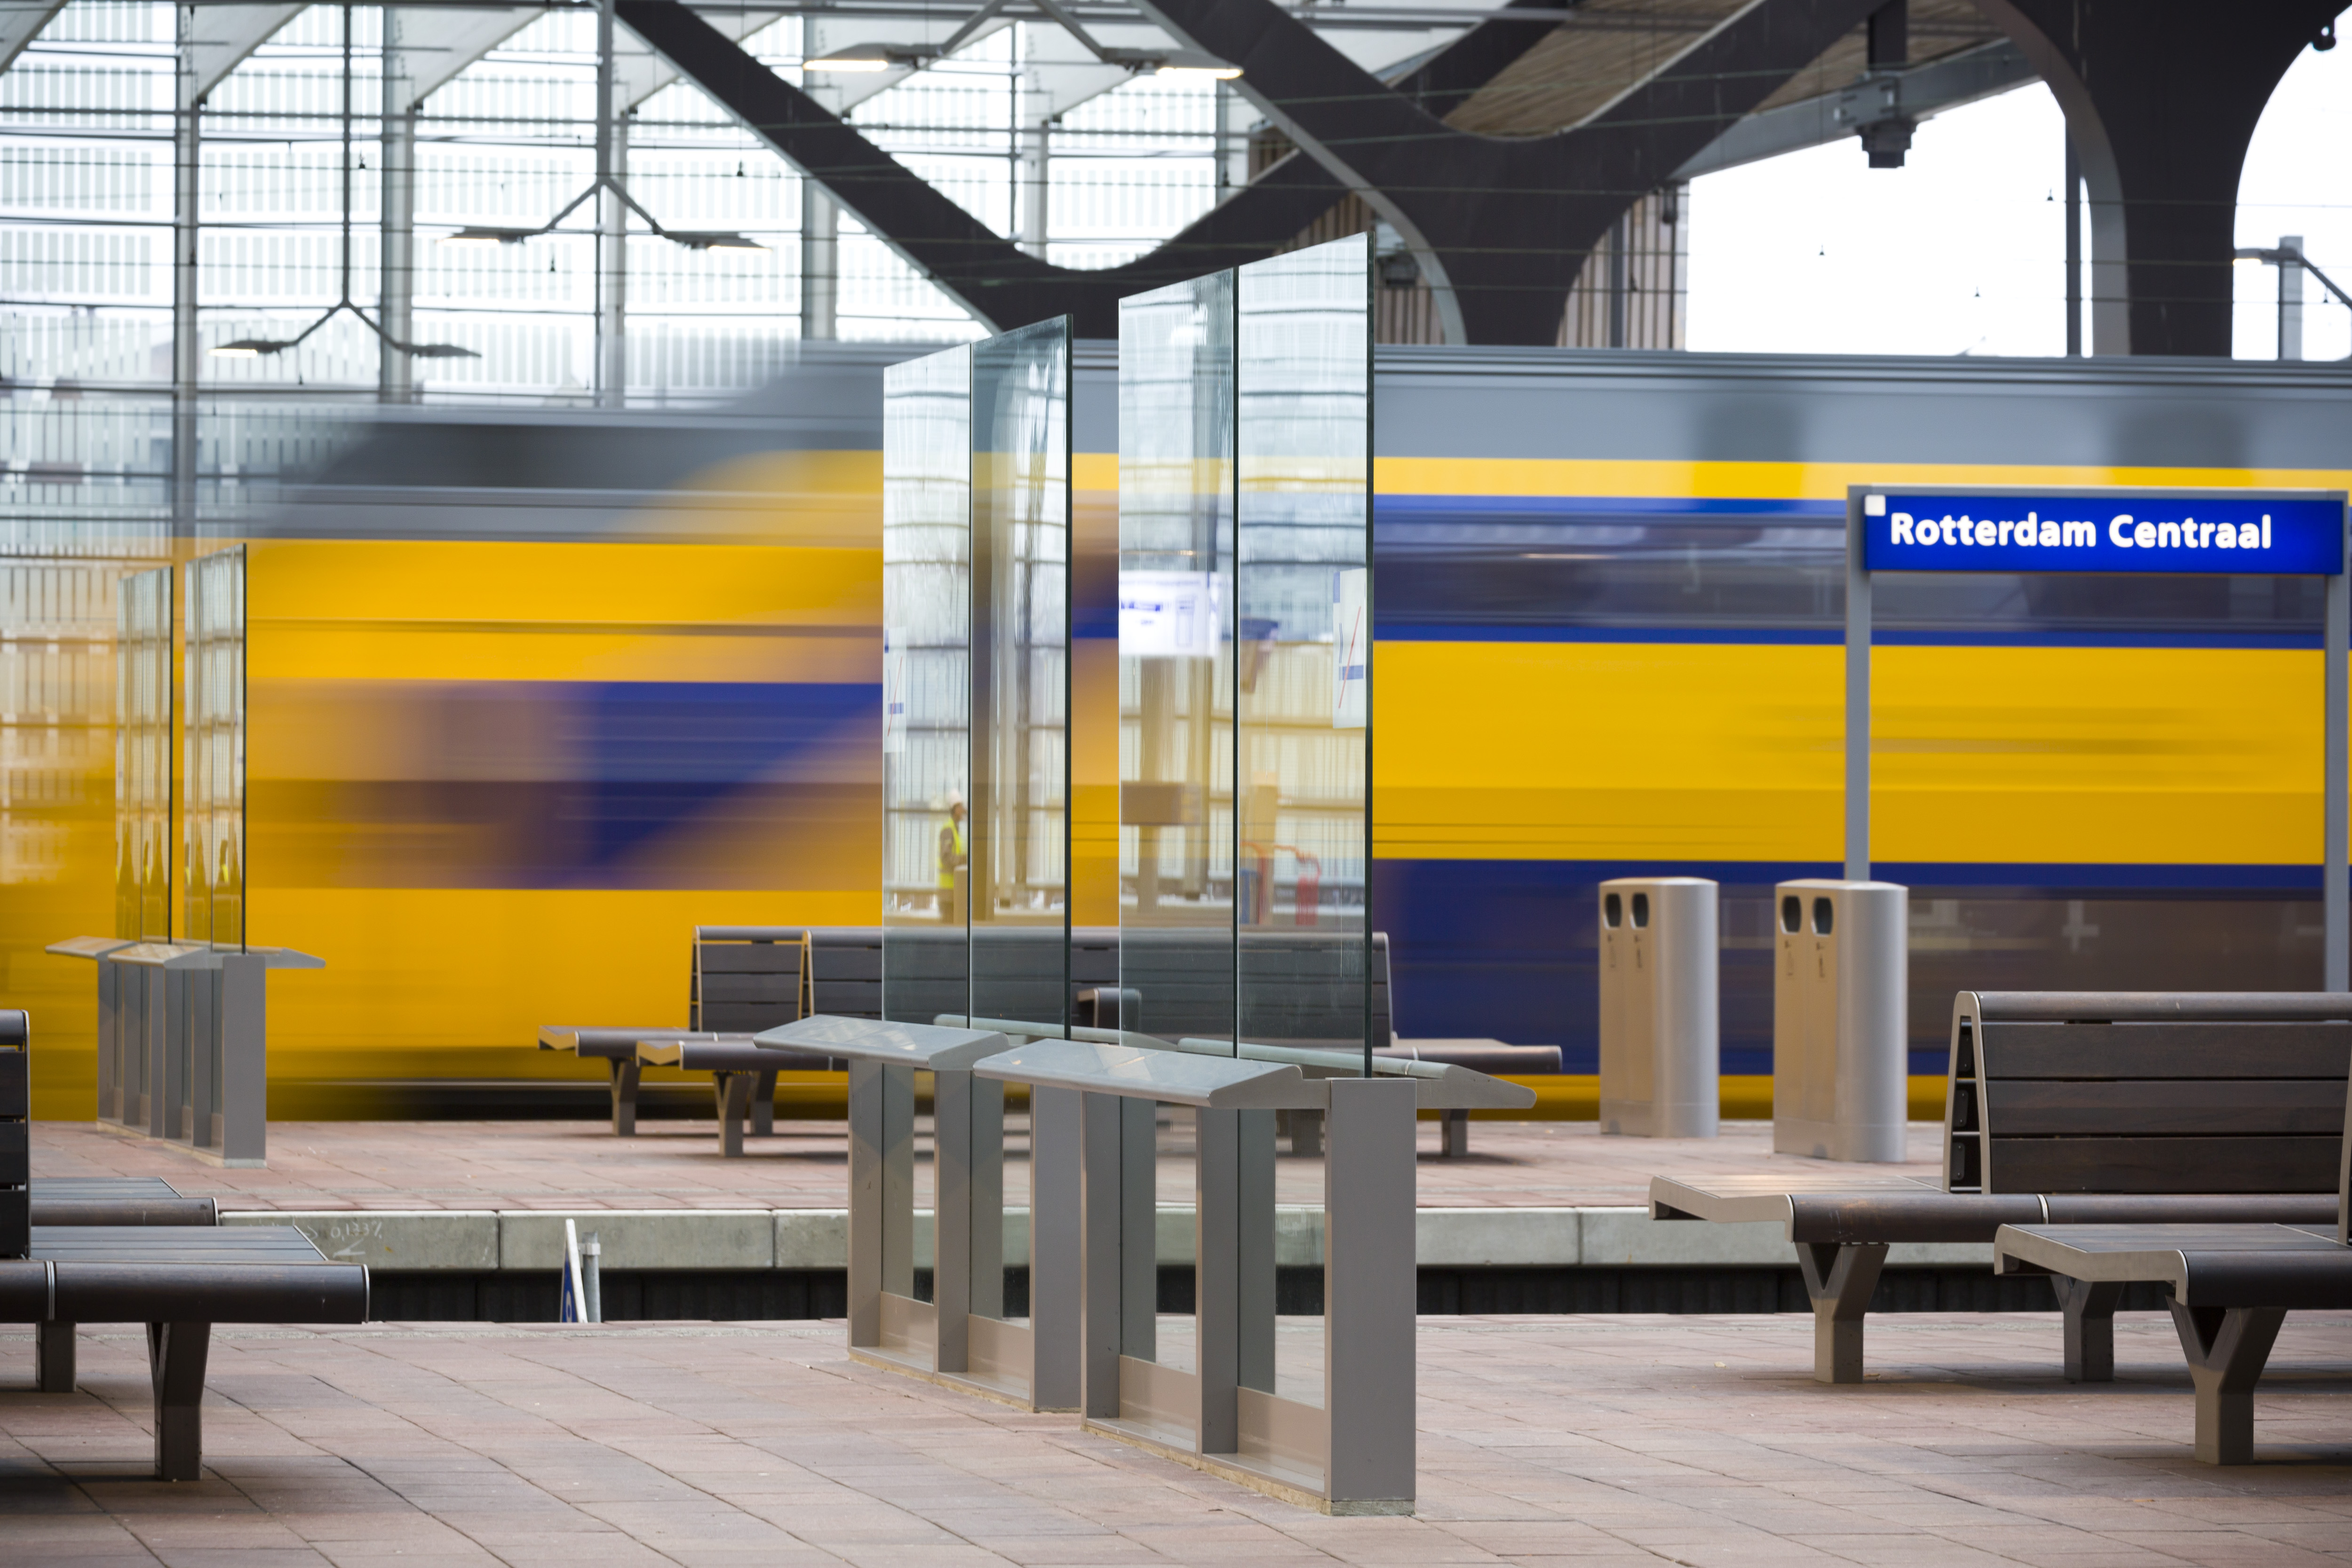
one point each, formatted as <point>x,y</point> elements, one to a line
<point>926,685</point>
<point>1303,640</point>
<point>1021,674</point>
<point>142,757</point>
<point>1175,658</point>
<point>214,785</point>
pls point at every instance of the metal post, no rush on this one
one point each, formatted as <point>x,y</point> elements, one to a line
<point>820,263</point>
<point>396,280</point>
<point>1369,1294</point>
<point>1056,1213</point>
<point>1254,1268</point>
<point>2290,296</point>
<point>110,1043</point>
<point>1037,203</point>
<point>592,1283</point>
<point>898,1181</point>
<point>1216,1278</point>
<point>952,1219</point>
<point>1618,238</point>
<point>2074,252</point>
<point>186,155</point>
<point>865,1272</point>
<point>244,1046</point>
<point>612,227</point>
<point>1857,698</point>
<point>2335,922</point>
<point>1098,1305</point>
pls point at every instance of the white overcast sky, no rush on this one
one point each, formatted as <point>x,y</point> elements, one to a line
<point>1963,250</point>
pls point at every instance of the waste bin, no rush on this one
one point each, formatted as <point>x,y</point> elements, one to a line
<point>1660,1053</point>
<point>1840,991</point>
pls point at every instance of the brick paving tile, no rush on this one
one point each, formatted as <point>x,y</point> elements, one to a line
<point>1564,1440</point>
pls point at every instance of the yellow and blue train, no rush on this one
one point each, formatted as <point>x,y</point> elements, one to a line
<point>532,693</point>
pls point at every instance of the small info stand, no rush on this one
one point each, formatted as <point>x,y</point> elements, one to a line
<point>184,1041</point>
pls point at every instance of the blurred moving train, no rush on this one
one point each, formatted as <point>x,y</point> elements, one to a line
<point>535,692</point>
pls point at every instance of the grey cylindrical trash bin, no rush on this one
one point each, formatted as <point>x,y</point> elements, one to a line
<point>1841,989</point>
<point>1660,1055</point>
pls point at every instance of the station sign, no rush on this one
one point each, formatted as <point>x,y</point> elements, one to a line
<point>2102,531</point>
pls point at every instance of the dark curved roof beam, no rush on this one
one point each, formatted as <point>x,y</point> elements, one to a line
<point>1501,225</point>
<point>986,273</point>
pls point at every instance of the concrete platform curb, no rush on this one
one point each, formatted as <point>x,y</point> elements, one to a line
<point>482,1240</point>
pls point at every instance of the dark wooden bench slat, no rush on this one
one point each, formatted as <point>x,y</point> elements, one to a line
<point>747,958</point>
<point>2206,1050</point>
<point>2193,1164</point>
<point>2246,1107</point>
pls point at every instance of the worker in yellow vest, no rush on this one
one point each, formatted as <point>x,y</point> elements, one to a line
<point>955,862</point>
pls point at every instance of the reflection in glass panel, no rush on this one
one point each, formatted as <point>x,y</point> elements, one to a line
<point>142,757</point>
<point>1304,636</point>
<point>1021,674</point>
<point>214,788</point>
<point>926,685</point>
<point>1175,663</point>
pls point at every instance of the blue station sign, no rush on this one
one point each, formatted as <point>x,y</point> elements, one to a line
<point>2091,531</point>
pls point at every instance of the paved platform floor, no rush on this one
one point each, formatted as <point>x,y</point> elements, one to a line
<point>575,1166</point>
<point>1592,1440</point>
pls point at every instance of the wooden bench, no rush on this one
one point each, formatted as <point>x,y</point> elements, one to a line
<point>2231,1285</point>
<point>739,979</point>
<point>179,1281</point>
<point>2083,1091</point>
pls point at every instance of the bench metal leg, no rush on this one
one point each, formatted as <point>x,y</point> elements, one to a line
<point>2090,1309</point>
<point>733,1091</point>
<point>1305,1131</point>
<point>2226,1347</point>
<point>1840,1280</point>
<point>175,1360</point>
<point>624,1096</point>
<point>53,1354</point>
<point>764,1105</point>
<point>1454,1143</point>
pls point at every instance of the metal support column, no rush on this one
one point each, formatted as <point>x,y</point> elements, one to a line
<point>1857,700</point>
<point>820,264</point>
<point>186,155</point>
<point>2290,296</point>
<point>1216,1278</point>
<point>611,225</point>
<point>2335,923</point>
<point>396,278</point>
<point>2074,252</point>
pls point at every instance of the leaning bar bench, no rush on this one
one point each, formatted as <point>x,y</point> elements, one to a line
<point>117,1200</point>
<point>179,1281</point>
<point>2084,1093</point>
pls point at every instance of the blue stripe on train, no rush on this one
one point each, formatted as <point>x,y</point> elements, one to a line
<point>1504,949</point>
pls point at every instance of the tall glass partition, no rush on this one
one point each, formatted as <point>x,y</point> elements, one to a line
<point>213,788</point>
<point>1303,640</point>
<point>927,558</point>
<point>1176,606</point>
<point>1019,838</point>
<point>142,757</point>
